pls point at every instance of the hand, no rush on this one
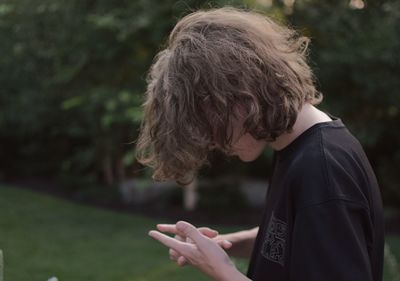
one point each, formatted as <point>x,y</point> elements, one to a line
<point>203,252</point>
<point>211,233</point>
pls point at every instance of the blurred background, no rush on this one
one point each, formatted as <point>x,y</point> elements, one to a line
<point>74,203</point>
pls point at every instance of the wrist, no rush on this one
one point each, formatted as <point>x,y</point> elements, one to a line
<point>231,273</point>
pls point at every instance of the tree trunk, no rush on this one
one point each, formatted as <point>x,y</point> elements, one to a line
<point>108,171</point>
<point>190,196</point>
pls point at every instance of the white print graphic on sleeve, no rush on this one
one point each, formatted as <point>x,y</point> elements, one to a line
<point>273,247</point>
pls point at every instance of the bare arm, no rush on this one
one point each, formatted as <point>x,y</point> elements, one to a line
<point>233,274</point>
<point>242,242</point>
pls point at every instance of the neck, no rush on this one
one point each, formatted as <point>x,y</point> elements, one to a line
<point>307,117</point>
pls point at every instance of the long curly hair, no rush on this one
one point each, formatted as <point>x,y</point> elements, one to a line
<point>214,61</point>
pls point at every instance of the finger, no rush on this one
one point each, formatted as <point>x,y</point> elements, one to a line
<point>211,233</point>
<point>226,244</point>
<point>170,228</point>
<point>179,246</point>
<point>181,261</point>
<point>190,231</point>
<point>173,254</point>
<point>179,238</point>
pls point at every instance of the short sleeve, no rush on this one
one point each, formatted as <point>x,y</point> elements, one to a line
<point>330,242</point>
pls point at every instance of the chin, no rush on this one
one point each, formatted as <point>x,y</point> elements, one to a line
<point>247,158</point>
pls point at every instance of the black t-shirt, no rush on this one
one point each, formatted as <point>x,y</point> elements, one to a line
<point>323,219</point>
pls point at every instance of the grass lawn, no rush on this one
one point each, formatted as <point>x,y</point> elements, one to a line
<point>42,236</point>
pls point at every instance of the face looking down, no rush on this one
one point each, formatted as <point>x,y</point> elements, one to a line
<point>244,146</point>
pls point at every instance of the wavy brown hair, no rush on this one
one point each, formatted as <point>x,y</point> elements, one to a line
<point>214,61</point>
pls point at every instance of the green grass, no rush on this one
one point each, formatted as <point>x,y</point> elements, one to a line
<point>42,236</point>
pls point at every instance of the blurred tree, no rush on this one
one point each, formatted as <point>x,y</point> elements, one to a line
<point>72,76</point>
<point>355,49</point>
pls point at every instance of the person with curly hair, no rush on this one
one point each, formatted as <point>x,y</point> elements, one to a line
<point>236,81</point>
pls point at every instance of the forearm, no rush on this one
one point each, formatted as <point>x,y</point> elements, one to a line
<point>233,274</point>
<point>242,243</point>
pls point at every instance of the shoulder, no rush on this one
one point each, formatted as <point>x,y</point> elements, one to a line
<point>330,165</point>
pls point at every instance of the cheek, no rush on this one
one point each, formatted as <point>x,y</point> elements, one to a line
<point>248,148</point>
<point>246,142</point>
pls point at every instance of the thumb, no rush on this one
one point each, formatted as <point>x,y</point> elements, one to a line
<point>191,232</point>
